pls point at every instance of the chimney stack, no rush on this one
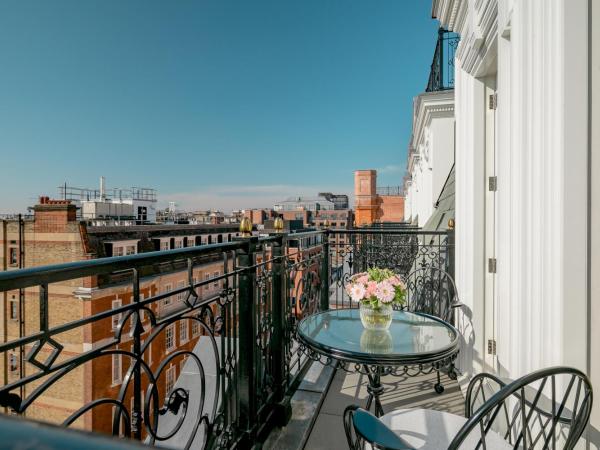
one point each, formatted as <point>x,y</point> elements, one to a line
<point>102,190</point>
<point>53,215</point>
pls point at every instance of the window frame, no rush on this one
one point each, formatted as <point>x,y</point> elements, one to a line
<point>13,308</point>
<point>13,256</point>
<point>184,335</point>
<point>170,335</point>
<point>116,318</point>
<point>170,379</point>
<point>118,368</point>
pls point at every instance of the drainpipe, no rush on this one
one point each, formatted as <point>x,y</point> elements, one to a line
<point>5,303</point>
<point>21,305</point>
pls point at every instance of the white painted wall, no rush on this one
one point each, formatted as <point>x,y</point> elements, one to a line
<point>433,143</point>
<point>538,48</point>
<point>594,211</point>
<point>469,217</point>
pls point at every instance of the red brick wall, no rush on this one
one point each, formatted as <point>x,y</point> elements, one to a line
<point>391,209</point>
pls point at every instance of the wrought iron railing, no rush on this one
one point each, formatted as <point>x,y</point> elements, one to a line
<point>224,387</point>
<point>441,76</point>
<point>390,190</point>
<point>424,259</point>
<point>125,368</point>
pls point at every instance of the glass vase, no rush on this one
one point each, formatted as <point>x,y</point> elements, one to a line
<point>376,318</point>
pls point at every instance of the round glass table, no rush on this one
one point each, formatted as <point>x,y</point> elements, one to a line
<point>414,344</point>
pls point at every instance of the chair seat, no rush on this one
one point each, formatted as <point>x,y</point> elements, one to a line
<point>426,429</point>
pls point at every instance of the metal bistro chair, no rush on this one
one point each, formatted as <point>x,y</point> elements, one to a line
<point>431,290</point>
<point>547,409</point>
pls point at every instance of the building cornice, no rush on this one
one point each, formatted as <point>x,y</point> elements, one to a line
<point>476,22</point>
<point>446,11</point>
<point>428,106</point>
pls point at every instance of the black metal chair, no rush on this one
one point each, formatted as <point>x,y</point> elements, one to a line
<point>431,290</point>
<point>547,409</point>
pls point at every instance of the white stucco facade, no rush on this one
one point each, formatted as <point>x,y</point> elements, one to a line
<point>431,154</point>
<point>534,56</point>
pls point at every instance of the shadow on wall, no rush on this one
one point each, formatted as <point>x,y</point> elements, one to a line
<point>467,355</point>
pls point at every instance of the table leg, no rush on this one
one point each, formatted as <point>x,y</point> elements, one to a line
<point>375,389</point>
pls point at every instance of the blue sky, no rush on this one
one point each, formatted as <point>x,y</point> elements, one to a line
<point>214,103</point>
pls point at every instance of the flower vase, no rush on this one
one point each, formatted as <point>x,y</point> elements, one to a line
<point>375,317</point>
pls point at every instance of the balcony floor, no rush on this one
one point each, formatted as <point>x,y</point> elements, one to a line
<point>401,392</point>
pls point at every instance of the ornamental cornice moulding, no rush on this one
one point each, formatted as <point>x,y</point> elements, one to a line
<point>445,11</point>
<point>476,22</point>
<point>429,106</point>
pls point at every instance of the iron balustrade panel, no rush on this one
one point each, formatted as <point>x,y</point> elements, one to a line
<point>113,349</point>
<point>303,282</point>
<point>173,353</point>
<point>423,259</point>
<point>441,75</point>
<point>263,361</point>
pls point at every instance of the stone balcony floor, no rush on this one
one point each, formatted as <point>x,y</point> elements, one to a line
<point>319,405</point>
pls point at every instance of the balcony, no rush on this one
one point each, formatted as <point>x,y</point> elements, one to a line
<point>441,76</point>
<point>203,368</point>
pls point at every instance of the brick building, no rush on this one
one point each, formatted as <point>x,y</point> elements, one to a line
<point>373,204</point>
<point>55,235</point>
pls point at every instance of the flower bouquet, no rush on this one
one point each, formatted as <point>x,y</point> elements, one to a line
<point>376,290</point>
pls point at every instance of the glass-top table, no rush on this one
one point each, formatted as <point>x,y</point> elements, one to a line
<point>415,343</point>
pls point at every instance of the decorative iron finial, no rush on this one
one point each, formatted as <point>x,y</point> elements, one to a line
<point>278,224</point>
<point>451,224</point>
<point>246,227</point>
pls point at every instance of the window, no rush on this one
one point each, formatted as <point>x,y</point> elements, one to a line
<point>116,369</point>
<point>116,318</point>
<point>206,278</point>
<point>118,251</point>
<point>13,258</point>
<point>13,363</point>
<point>170,380</point>
<point>178,243</point>
<point>142,311</point>
<point>142,400</point>
<point>14,309</point>
<point>115,411</point>
<point>164,245</point>
<point>216,283</point>
<point>181,295</point>
<point>167,300</point>
<point>170,338</point>
<point>183,331</point>
<point>182,364</point>
<point>130,250</point>
<point>195,328</point>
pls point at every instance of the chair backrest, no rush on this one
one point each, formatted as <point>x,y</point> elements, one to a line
<point>546,409</point>
<point>431,290</point>
<point>363,428</point>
